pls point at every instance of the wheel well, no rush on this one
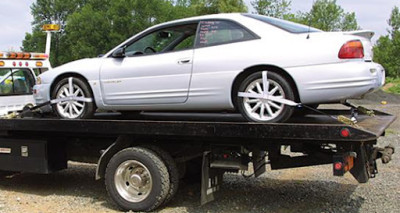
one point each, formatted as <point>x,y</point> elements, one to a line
<point>70,74</point>
<point>253,69</point>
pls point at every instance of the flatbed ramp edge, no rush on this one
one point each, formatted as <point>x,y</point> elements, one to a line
<point>219,143</point>
<point>310,127</point>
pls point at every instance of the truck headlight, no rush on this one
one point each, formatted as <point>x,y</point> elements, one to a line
<point>38,81</point>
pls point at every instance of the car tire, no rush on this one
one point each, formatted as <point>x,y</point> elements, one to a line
<point>75,109</point>
<point>256,110</point>
<point>132,169</point>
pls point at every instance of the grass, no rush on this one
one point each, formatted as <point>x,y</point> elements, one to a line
<point>392,85</point>
<point>391,131</point>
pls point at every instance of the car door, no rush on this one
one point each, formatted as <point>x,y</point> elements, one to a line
<point>223,49</point>
<point>154,69</point>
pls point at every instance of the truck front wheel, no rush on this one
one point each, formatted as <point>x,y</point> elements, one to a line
<point>137,179</point>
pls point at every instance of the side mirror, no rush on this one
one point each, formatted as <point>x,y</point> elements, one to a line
<point>119,53</point>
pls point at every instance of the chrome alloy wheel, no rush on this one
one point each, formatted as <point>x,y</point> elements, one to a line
<point>133,181</point>
<point>262,109</point>
<point>71,108</point>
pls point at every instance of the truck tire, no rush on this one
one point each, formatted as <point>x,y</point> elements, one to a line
<point>5,173</point>
<point>172,170</point>
<point>137,179</point>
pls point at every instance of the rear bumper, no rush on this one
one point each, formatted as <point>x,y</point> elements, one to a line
<point>330,83</point>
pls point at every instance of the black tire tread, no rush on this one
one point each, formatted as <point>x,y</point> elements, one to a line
<point>172,170</point>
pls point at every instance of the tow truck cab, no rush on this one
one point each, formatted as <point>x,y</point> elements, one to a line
<point>18,73</point>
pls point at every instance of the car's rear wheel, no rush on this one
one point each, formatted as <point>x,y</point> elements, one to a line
<point>260,109</point>
<point>73,109</point>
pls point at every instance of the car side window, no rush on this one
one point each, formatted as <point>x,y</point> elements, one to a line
<point>221,32</point>
<point>163,40</point>
<point>16,81</point>
<point>186,43</point>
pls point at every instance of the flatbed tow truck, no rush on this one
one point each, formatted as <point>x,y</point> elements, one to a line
<point>143,157</point>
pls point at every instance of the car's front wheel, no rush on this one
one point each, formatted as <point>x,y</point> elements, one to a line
<point>73,109</point>
<point>256,106</point>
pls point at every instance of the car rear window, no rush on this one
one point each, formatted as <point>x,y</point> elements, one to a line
<point>285,25</point>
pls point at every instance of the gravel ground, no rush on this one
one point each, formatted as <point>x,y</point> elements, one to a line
<point>310,189</point>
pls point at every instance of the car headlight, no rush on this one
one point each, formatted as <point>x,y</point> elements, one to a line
<point>38,81</point>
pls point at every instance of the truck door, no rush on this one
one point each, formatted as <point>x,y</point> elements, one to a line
<point>15,89</point>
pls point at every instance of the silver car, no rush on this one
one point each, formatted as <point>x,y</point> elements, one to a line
<point>254,64</point>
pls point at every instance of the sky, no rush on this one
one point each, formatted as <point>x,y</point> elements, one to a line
<point>16,18</point>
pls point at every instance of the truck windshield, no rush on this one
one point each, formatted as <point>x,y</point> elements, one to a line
<point>285,25</point>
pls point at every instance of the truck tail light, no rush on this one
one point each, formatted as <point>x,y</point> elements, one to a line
<point>345,132</point>
<point>343,163</point>
<point>352,49</point>
<point>338,165</point>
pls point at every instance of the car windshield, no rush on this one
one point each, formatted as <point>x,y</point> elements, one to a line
<point>285,25</point>
<point>4,73</point>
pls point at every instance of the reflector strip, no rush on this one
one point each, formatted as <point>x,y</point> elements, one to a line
<point>349,163</point>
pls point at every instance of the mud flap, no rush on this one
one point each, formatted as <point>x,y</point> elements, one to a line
<point>211,179</point>
<point>364,165</point>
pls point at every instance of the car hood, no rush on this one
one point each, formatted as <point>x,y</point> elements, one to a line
<point>77,65</point>
<point>88,68</point>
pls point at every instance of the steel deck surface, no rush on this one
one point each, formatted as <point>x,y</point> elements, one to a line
<point>223,125</point>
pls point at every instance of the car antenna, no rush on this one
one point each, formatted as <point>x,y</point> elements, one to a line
<point>309,28</point>
<point>309,23</point>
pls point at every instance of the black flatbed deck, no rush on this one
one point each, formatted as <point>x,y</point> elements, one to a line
<point>208,143</point>
<point>316,127</point>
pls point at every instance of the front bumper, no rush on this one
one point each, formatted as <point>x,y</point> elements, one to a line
<point>41,94</point>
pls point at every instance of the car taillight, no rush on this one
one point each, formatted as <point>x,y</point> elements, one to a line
<point>352,49</point>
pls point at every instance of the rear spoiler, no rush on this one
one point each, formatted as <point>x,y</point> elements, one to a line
<point>363,33</point>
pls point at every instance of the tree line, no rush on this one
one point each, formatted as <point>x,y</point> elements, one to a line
<point>92,27</point>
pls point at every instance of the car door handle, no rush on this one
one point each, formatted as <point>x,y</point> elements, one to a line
<point>184,61</point>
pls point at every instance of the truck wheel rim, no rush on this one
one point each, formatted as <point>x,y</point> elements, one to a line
<point>70,109</point>
<point>133,181</point>
<point>261,109</point>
